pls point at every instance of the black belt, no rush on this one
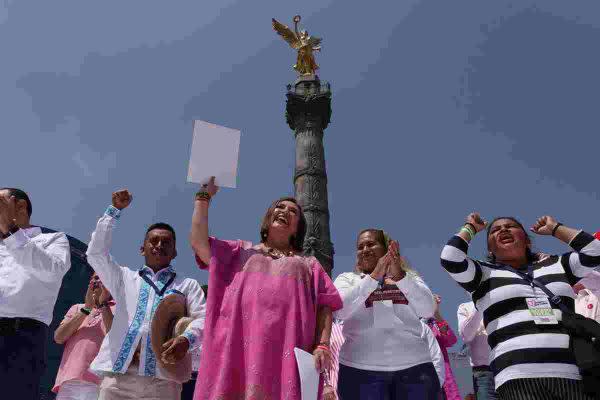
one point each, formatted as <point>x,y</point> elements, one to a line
<point>16,324</point>
<point>481,368</point>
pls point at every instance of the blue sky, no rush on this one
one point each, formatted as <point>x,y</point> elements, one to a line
<point>439,109</point>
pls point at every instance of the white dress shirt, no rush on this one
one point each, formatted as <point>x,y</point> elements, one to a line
<point>136,302</point>
<point>435,351</point>
<point>32,266</point>
<point>375,330</point>
<point>472,331</point>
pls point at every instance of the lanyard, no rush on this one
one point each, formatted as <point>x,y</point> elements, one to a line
<point>159,292</point>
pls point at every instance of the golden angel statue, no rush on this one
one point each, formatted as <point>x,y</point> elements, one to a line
<point>301,41</point>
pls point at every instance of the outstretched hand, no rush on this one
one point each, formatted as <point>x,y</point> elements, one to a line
<point>544,225</point>
<point>121,199</point>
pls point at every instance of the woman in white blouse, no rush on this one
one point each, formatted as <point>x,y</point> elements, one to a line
<point>384,355</point>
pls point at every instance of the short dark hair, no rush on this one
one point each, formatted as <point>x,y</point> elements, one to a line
<point>531,256</point>
<point>297,240</point>
<point>161,225</point>
<point>20,195</point>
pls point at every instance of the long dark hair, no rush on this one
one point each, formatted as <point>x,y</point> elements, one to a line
<point>531,256</point>
<point>297,240</point>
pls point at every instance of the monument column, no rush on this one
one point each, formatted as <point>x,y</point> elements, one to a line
<point>308,112</point>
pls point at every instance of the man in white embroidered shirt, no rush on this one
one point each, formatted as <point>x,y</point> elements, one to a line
<point>32,265</point>
<point>126,359</point>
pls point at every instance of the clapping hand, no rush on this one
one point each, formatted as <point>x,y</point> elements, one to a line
<point>395,271</point>
<point>544,225</point>
<point>121,199</point>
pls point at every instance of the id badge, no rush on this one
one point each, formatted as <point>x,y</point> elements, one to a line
<point>383,313</point>
<point>541,311</point>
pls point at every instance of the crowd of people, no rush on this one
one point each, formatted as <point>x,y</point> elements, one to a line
<point>376,333</point>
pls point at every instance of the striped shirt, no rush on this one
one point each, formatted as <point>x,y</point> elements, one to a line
<point>520,348</point>
<point>335,344</point>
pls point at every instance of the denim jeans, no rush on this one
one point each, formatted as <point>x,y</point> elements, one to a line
<point>416,383</point>
<point>483,385</point>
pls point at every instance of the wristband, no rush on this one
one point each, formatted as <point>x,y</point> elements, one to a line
<point>558,224</point>
<point>472,226</point>
<point>203,196</point>
<point>86,311</point>
<point>323,347</point>
<point>113,212</point>
<point>468,231</point>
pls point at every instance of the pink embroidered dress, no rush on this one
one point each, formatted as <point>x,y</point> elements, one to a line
<point>446,340</point>
<point>258,310</point>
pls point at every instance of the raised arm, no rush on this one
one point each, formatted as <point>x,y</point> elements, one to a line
<point>70,323</point>
<point>199,232</point>
<point>98,256</point>
<point>586,257</point>
<point>469,323</point>
<point>465,271</point>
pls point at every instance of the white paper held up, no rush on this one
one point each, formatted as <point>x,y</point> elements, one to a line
<point>215,151</point>
<point>309,376</point>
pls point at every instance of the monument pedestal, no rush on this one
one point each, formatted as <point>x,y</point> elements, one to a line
<point>308,112</point>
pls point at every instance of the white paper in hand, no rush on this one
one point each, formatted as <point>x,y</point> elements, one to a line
<point>309,376</point>
<point>214,152</point>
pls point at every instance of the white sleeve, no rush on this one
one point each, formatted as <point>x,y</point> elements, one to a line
<point>469,323</point>
<point>353,295</point>
<point>436,353</point>
<point>419,296</point>
<point>49,261</point>
<point>196,305</point>
<point>98,256</point>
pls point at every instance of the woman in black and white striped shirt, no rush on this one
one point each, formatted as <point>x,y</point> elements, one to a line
<point>530,356</point>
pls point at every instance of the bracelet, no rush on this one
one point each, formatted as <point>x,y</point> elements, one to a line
<point>323,347</point>
<point>203,196</point>
<point>86,311</point>
<point>468,231</point>
<point>558,224</point>
<point>472,226</point>
<point>442,324</point>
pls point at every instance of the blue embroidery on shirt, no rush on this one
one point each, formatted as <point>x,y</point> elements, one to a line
<point>150,364</point>
<point>134,328</point>
<point>113,212</point>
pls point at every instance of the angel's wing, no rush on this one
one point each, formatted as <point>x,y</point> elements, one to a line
<point>287,34</point>
<point>314,41</point>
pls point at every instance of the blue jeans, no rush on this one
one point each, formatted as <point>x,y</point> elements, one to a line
<point>483,385</point>
<point>416,383</point>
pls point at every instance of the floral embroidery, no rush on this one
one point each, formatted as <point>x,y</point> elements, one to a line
<point>134,329</point>
<point>150,364</point>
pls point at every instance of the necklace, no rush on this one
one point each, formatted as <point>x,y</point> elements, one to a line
<point>276,254</point>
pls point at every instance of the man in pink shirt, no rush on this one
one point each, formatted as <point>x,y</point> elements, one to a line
<point>82,331</point>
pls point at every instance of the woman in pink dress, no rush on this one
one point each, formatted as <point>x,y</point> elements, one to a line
<point>446,338</point>
<point>264,301</point>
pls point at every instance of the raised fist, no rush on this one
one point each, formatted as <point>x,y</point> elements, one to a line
<point>476,220</point>
<point>121,199</point>
<point>544,225</point>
